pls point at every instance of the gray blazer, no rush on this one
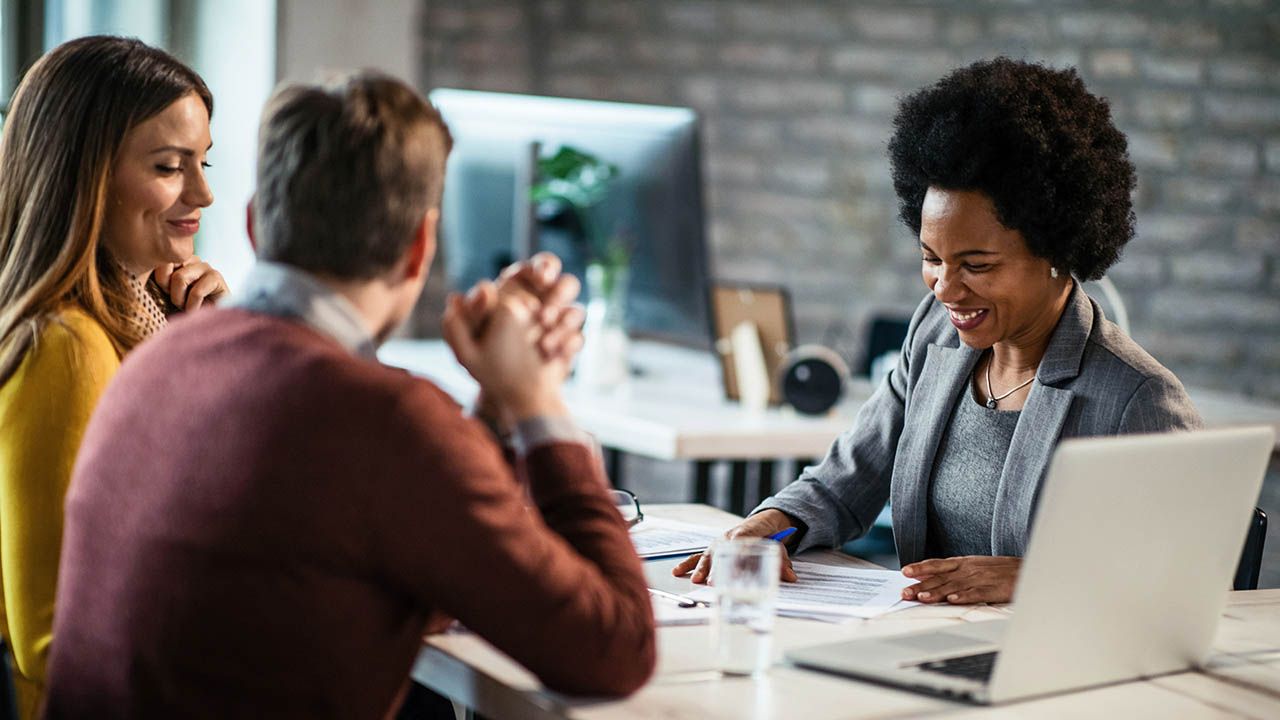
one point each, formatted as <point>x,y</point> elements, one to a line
<point>1093,380</point>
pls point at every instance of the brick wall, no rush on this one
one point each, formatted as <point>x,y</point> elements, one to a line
<point>797,97</point>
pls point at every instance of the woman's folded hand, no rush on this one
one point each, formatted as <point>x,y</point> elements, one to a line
<point>963,580</point>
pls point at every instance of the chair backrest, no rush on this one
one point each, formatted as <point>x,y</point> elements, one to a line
<point>884,334</point>
<point>8,699</point>
<point>1104,293</point>
<point>1251,559</point>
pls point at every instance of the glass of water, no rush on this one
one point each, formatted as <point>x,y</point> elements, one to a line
<point>744,575</point>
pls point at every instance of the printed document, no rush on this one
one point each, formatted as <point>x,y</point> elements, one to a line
<point>659,537</point>
<point>835,593</point>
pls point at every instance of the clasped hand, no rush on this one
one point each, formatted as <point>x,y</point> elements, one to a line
<point>517,337</point>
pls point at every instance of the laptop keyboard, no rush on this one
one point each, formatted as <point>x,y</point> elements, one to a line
<point>970,667</point>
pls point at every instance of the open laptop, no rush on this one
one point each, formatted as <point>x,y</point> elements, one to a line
<point>1133,548</point>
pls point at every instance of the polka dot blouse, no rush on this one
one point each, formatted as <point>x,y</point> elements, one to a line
<point>146,313</point>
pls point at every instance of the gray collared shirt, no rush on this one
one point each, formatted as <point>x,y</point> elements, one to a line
<point>283,291</point>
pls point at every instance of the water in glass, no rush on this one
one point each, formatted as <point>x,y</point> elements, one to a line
<point>744,573</point>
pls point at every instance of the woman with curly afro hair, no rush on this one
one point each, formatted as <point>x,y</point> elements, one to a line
<point>1017,184</point>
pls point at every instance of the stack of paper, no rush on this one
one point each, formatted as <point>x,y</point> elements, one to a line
<point>835,593</point>
<point>659,537</point>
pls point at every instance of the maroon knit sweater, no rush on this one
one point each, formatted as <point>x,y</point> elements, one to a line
<point>262,525</point>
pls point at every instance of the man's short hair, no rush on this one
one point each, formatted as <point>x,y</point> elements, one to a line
<point>347,170</point>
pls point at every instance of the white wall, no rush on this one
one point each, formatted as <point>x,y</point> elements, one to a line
<point>318,35</point>
<point>285,40</point>
<point>240,73</point>
<point>146,20</point>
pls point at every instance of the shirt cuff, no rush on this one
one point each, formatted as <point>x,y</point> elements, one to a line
<point>546,430</point>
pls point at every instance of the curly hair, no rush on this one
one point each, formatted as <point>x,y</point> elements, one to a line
<point>1036,142</point>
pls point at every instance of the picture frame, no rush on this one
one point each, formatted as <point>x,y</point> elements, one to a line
<point>769,308</point>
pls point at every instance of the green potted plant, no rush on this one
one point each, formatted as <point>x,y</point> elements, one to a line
<point>571,184</point>
<point>576,182</point>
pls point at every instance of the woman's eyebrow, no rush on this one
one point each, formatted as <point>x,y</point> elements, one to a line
<point>963,253</point>
<point>176,149</point>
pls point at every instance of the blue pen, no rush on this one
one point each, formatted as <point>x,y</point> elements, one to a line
<point>782,535</point>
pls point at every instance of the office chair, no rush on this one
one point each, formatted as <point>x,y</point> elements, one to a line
<point>884,334</point>
<point>8,699</point>
<point>1104,292</point>
<point>1251,559</point>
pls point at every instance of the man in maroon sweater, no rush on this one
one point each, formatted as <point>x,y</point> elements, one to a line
<point>263,519</point>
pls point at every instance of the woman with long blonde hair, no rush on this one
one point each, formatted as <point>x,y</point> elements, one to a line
<point>101,189</point>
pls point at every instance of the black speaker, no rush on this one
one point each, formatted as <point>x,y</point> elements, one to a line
<point>812,379</point>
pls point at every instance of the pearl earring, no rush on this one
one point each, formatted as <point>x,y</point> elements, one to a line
<point>1053,272</point>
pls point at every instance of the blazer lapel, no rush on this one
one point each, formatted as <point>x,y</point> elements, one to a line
<point>1029,451</point>
<point>944,376</point>
<point>1039,427</point>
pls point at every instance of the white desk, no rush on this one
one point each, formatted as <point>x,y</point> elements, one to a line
<point>1243,679</point>
<point>675,408</point>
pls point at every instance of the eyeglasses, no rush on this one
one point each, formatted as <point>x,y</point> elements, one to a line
<point>628,507</point>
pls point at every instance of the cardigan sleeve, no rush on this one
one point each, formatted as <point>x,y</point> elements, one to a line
<point>44,408</point>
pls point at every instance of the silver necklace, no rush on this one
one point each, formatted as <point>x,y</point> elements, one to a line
<point>992,399</point>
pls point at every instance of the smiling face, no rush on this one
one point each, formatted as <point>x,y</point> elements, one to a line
<point>994,288</point>
<point>158,187</point>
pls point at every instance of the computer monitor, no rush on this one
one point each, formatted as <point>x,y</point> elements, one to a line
<point>487,219</point>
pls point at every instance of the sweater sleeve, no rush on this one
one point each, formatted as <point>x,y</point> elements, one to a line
<point>557,586</point>
<point>44,409</point>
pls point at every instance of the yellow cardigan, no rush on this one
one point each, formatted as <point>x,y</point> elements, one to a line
<point>44,409</point>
